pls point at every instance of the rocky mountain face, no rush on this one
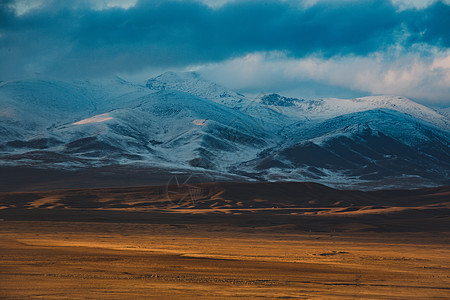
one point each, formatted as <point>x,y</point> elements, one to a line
<point>180,121</point>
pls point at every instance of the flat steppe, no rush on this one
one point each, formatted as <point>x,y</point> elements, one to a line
<point>225,240</point>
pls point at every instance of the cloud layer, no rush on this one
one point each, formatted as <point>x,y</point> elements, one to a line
<point>423,78</point>
<point>84,38</point>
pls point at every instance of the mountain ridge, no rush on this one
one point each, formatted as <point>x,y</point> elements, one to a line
<point>184,121</point>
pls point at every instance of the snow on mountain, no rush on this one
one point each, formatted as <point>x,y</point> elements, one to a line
<point>400,126</point>
<point>31,106</point>
<point>192,83</point>
<point>180,120</point>
<point>322,109</point>
<point>154,127</point>
<point>443,111</point>
<point>95,119</point>
<point>365,146</point>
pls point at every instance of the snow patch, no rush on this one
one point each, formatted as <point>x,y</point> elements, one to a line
<point>199,122</point>
<point>8,113</point>
<point>95,119</point>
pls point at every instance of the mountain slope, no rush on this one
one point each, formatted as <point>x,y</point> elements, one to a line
<point>322,109</point>
<point>180,121</point>
<point>378,145</point>
<point>149,126</point>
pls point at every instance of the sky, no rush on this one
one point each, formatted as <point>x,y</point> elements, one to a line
<point>306,49</point>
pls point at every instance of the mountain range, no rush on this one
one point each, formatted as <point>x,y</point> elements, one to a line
<point>183,123</point>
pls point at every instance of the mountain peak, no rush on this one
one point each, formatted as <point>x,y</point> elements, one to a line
<point>278,100</point>
<point>407,106</point>
<point>194,84</point>
<point>172,80</point>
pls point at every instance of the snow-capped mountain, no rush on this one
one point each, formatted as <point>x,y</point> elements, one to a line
<point>182,121</point>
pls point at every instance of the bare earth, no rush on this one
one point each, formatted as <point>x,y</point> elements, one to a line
<point>238,247</point>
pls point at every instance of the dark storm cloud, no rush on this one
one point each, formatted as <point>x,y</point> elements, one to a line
<point>77,40</point>
<point>430,26</point>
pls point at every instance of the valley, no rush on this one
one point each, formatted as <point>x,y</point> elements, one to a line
<point>227,240</point>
